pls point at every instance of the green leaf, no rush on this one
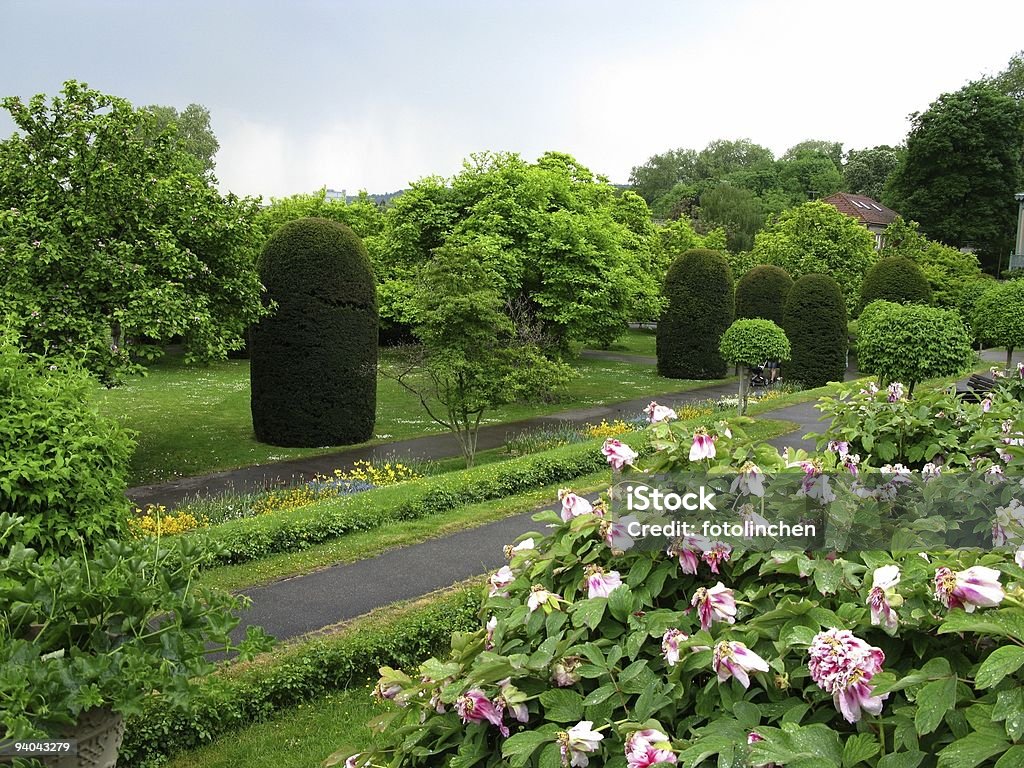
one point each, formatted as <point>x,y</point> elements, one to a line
<point>517,749</point>
<point>1009,707</point>
<point>589,612</point>
<point>812,746</point>
<point>599,694</point>
<point>827,576</point>
<point>1000,663</point>
<point>859,749</point>
<point>562,706</point>
<point>1005,622</point>
<point>972,750</point>
<point>550,757</point>
<point>621,603</point>
<point>901,760</point>
<point>933,701</point>
<point>1012,758</point>
<point>748,715</point>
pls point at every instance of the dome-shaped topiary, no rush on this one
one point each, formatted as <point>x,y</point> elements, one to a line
<point>762,293</point>
<point>814,320</point>
<point>896,279</point>
<point>314,361</point>
<point>700,307</point>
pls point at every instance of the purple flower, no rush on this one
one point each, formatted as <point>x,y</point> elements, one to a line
<point>474,707</point>
<point>616,533</point>
<point>600,583</point>
<point>573,505</point>
<point>749,481</point>
<point>732,659</point>
<point>542,598</point>
<point>577,743</point>
<point>688,550</point>
<point>618,453</point>
<point>500,581</point>
<point>883,598</point>
<point>648,747</point>
<point>563,672</point>
<point>842,664</point>
<point>657,413</point>
<point>976,587</point>
<point>714,605</point>
<point>718,552</point>
<point>670,645</point>
<point>703,446</point>
<point>895,392</point>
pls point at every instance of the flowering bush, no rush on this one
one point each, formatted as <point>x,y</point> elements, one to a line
<point>591,649</point>
<point>157,521</point>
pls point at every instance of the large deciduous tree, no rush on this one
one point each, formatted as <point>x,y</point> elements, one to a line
<point>190,132</point>
<point>737,210</point>
<point>962,169</point>
<point>111,242</point>
<point>577,258</point>
<point>867,170</point>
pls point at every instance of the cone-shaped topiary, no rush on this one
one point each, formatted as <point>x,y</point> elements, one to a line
<point>314,361</point>
<point>700,307</point>
<point>814,320</point>
<point>896,279</point>
<point>762,293</point>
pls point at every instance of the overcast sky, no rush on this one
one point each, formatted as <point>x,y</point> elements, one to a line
<point>373,95</point>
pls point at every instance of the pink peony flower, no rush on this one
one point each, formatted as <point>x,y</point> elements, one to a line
<point>573,505</point>
<point>843,665</point>
<point>1008,524</point>
<point>578,742</point>
<point>542,598</point>
<point>618,453</point>
<point>648,747</point>
<point>976,587</point>
<point>353,761</point>
<point>883,597</point>
<point>616,533</point>
<point>492,624</point>
<point>500,581</point>
<point>749,481</point>
<point>732,659</point>
<point>717,552</point>
<point>658,413</point>
<point>895,392</point>
<point>714,605</point>
<point>474,707</point>
<point>703,446</point>
<point>670,645</point>
<point>600,583</point>
<point>986,405</point>
<point>754,737</point>
<point>563,672</point>
<point>688,550</point>
<point>840,447</point>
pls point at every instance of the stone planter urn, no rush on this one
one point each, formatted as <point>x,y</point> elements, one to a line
<point>98,733</point>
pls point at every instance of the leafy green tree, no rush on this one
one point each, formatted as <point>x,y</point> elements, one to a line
<point>948,270</point>
<point>909,343</point>
<point>111,243</point>
<point>808,174</point>
<point>679,202</point>
<point>567,249</point>
<point>472,357</point>
<point>190,131</point>
<point>749,342</point>
<point>736,210</point>
<point>867,170</point>
<point>700,306</point>
<point>662,172</point>
<point>833,150</point>
<point>1011,80</point>
<point>816,238</point>
<point>962,169</point>
<point>722,158</point>
<point>998,317</point>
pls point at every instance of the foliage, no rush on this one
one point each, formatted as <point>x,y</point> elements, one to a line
<point>239,541</point>
<point>751,342</point>
<point>661,173</point>
<point>111,243</point>
<point>909,343</point>
<point>679,236</point>
<point>968,298</point>
<point>1011,80</point>
<point>736,210</point>
<point>998,317</point>
<point>62,465</point>
<point>890,427</point>
<point>867,170</point>
<point>948,270</point>
<point>831,150</point>
<point>699,292</point>
<point>816,238</point>
<point>896,279</point>
<point>762,292</point>
<point>105,630</point>
<point>809,174</point>
<point>361,215</point>
<point>472,357</point>
<point>155,520</point>
<point>314,361</point>
<point>962,168</point>
<point>568,253</point>
<point>232,698</point>
<point>814,319</point>
<point>190,131</point>
<point>587,630</point>
<point>680,202</point>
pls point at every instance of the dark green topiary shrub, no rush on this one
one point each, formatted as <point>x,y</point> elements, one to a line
<point>314,361</point>
<point>815,323</point>
<point>762,293</point>
<point>896,279</point>
<point>700,307</point>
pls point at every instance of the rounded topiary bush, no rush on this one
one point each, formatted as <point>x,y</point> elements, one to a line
<point>998,317</point>
<point>815,323</point>
<point>63,465</point>
<point>314,360</point>
<point>909,343</point>
<point>895,279</point>
<point>762,293</point>
<point>750,342</point>
<point>700,306</point>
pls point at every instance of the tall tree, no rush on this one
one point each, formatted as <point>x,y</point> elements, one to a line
<point>191,132</point>
<point>662,172</point>
<point>111,242</point>
<point>1011,80</point>
<point>962,169</point>
<point>735,209</point>
<point>867,170</point>
<point>833,150</point>
<point>723,157</point>
<point>808,175</point>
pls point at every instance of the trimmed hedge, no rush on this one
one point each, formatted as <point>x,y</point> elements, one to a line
<point>815,324</point>
<point>238,541</point>
<point>896,279</point>
<point>314,360</point>
<point>762,293</point>
<point>701,305</point>
<point>236,697</point>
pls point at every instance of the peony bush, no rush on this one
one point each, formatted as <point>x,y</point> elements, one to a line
<point>595,650</point>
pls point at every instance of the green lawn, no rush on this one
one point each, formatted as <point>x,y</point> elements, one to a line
<point>300,737</point>
<point>638,341</point>
<point>194,420</point>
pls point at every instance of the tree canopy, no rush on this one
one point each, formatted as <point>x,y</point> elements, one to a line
<point>867,170</point>
<point>111,242</point>
<point>190,132</point>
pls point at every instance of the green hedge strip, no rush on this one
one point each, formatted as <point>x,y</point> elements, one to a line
<point>231,699</point>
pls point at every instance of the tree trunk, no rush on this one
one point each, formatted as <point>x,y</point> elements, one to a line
<point>744,385</point>
<point>1009,357</point>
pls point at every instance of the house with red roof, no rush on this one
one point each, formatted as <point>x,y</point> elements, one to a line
<point>872,214</point>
